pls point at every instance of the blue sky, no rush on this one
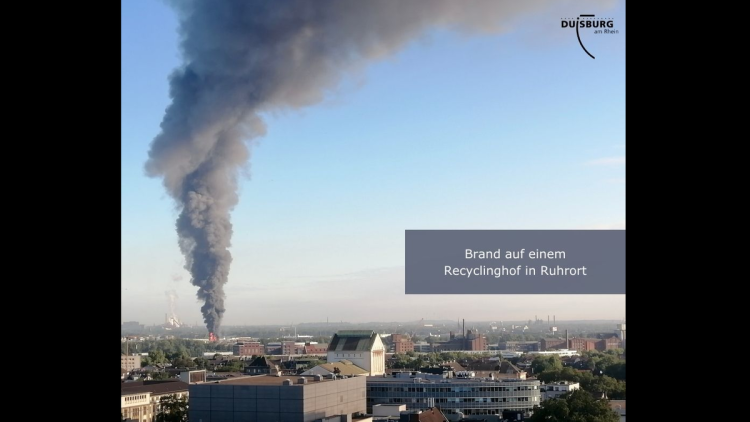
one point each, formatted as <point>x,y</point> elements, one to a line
<point>518,130</point>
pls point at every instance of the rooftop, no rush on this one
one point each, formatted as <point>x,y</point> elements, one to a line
<point>355,333</point>
<point>345,368</point>
<point>353,340</point>
<point>452,380</point>
<point>153,387</point>
<point>270,380</point>
<point>261,361</point>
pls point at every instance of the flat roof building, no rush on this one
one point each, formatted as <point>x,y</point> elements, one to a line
<point>467,396</point>
<point>557,389</point>
<point>269,398</point>
<point>130,362</point>
<point>139,400</point>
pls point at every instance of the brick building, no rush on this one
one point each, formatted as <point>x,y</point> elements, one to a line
<point>473,342</point>
<point>315,349</point>
<point>402,343</point>
<point>292,348</point>
<point>552,344</point>
<point>583,344</point>
<point>248,348</point>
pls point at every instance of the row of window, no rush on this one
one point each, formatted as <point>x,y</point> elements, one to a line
<point>450,389</point>
<point>459,400</point>
<point>131,398</point>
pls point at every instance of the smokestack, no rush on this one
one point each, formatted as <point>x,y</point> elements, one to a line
<point>567,346</point>
<point>463,330</point>
<point>547,319</point>
<point>554,320</point>
<point>242,59</point>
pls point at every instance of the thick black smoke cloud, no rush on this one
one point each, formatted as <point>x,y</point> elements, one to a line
<point>245,57</point>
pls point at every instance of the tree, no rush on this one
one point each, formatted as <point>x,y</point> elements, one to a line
<point>578,406</point>
<point>618,392</point>
<point>201,363</point>
<point>545,363</point>
<point>616,371</point>
<point>156,356</point>
<point>400,360</point>
<point>159,375</point>
<point>181,362</point>
<point>172,409</point>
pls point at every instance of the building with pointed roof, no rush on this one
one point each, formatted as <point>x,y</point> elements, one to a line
<point>363,348</point>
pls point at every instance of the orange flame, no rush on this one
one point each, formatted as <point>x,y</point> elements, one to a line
<point>212,337</point>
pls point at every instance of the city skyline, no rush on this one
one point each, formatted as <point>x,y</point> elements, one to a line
<point>512,130</point>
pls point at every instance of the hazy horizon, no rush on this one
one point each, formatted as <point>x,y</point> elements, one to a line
<point>188,324</point>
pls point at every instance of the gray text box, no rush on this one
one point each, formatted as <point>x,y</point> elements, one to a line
<point>571,262</point>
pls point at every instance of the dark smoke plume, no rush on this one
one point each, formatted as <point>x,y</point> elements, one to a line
<point>245,57</point>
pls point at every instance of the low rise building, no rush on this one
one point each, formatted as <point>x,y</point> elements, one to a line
<point>248,348</point>
<point>273,348</point>
<point>561,353</point>
<point>557,389</point>
<point>271,398</point>
<point>130,362</point>
<point>422,347</point>
<point>402,343</point>
<point>454,396</point>
<point>472,342</point>
<point>292,348</point>
<point>139,400</point>
<point>519,346</point>
<point>262,366</point>
<point>316,348</point>
<point>583,344</point>
<point>547,344</point>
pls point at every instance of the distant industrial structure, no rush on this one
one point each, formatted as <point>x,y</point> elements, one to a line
<point>620,333</point>
<point>603,341</point>
<point>170,319</point>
